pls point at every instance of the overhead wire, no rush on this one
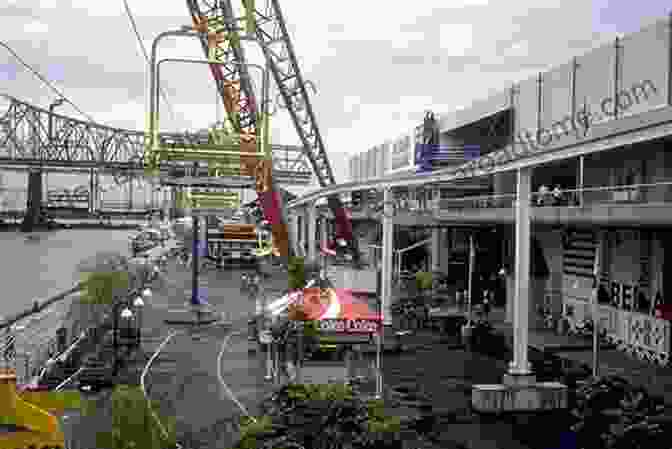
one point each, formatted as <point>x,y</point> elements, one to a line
<point>129,13</point>
<point>45,81</point>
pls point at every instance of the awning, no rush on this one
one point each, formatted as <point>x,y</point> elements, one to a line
<point>339,304</point>
<point>326,251</point>
<point>280,305</point>
<point>336,304</point>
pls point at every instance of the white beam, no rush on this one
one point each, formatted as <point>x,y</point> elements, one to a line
<point>623,138</point>
<point>520,364</point>
<point>312,230</point>
<point>388,242</point>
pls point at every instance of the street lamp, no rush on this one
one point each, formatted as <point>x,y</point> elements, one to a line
<point>138,303</point>
<point>125,314</point>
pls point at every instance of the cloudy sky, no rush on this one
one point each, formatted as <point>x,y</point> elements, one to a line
<point>376,65</point>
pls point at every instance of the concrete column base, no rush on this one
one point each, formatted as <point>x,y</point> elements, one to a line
<point>502,398</point>
<point>519,380</point>
<point>192,315</point>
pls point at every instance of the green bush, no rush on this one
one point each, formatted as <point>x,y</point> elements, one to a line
<point>320,417</point>
<point>102,287</point>
<point>133,425</point>
<point>297,273</point>
<point>423,280</point>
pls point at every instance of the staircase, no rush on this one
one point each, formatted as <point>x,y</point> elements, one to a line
<point>57,374</point>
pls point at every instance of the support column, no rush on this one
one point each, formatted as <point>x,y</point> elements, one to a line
<point>293,226</point>
<point>203,237</point>
<point>386,275</point>
<point>312,231</point>
<point>165,201</point>
<point>171,193</point>
<point>323,236</point>
<point>520,364</point>
<point>444,254</point>
<point>33,215</point>
<point>93,190</point>
<point>436,250</point>
<point>130,193</point>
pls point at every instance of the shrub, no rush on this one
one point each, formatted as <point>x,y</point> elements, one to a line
<point>320,417</point>
<point>423,280</point>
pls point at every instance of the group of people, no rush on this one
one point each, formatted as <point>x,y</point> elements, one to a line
<point>546,196</point>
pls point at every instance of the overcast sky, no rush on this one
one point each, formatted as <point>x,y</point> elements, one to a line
<point>376,65</point>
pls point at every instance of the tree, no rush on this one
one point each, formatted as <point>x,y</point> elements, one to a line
<point>133,424</point>
<point>101,288</point>
<point>296,273</point>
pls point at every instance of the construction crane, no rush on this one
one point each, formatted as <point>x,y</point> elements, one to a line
<point>220,40</point>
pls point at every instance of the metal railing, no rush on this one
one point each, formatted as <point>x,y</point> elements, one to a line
<point>642,194</point>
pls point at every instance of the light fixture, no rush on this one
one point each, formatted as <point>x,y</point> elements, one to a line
<point>126,313</point>
<point>147,293</point>
<point>138,302</point>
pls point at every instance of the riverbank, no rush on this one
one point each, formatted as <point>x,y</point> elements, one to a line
<point>16,227</point>
<point>38,306</point>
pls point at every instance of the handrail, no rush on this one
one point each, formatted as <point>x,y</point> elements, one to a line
<point>563,191</point>
<point>60,357</point>
<point>470,170</point>
<point>415,245</point>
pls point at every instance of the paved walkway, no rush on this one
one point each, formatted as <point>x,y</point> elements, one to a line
<point>185,377</point>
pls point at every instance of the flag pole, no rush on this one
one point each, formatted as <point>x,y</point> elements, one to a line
<point>470,285</point>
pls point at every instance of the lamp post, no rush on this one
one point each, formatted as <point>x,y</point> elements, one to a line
<point>138,304</point>
<point>125,314</point>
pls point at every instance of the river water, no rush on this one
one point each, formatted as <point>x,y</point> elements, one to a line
<point>38,270</point>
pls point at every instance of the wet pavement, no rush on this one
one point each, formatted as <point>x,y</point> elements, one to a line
<point>185,378</point>
<point>207,398</point>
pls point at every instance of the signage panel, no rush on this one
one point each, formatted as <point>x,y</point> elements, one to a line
<point>372,162</point>
<point>355,168</point>
<point>386,158</point>
<point>400,156</point>
<point>380,161</point>
<point>347,326</point>
<point>431,157</point>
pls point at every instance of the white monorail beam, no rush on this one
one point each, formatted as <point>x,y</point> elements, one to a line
<point>646,131</point>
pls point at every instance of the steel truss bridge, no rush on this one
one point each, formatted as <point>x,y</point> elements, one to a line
<point>31,137</point>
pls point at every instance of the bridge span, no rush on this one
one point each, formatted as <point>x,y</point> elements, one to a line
<point>32,137</point>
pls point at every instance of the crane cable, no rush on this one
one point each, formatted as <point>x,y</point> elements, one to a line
<point>45,81</point>
<point>144,52</point>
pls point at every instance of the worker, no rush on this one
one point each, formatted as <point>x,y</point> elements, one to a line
<point>557,195</point>
<point>542,195</point>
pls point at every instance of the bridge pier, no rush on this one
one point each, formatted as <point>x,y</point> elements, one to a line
<point>34,217</point>
<point>94,193</point>
<point>175,211</point>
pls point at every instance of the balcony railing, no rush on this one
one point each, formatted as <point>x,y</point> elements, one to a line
<point>651,194</point>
